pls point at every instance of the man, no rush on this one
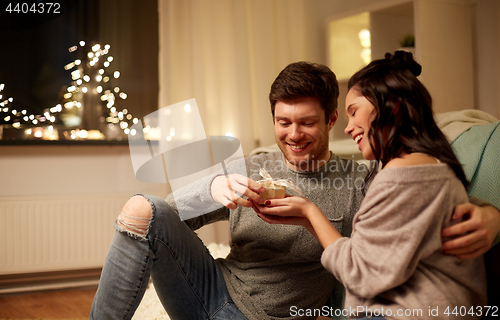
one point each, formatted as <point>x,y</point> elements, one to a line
<point>272,271</point>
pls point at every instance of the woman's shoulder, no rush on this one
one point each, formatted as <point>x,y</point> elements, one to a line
<point>412,159</point>
<point>414,168</point>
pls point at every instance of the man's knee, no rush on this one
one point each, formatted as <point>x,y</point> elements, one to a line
<point>136,216</point>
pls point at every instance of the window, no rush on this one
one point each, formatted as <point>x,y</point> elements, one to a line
<point>83,72</point>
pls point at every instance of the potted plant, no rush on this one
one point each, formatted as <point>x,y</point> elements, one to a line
<point>407,43</point>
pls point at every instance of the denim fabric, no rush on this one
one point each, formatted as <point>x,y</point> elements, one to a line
<point>187,279</point>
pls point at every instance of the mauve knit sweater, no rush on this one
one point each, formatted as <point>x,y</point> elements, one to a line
<point>394,261</point>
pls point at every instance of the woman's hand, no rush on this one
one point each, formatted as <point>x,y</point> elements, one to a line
<point>476,233</point>
<point>281,211</point>
<point>299,211</point>
<point>289,207</point>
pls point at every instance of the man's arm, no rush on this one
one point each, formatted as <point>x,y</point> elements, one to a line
<point>477,234</point>
<point>209,199</point>
<point>195,206</point>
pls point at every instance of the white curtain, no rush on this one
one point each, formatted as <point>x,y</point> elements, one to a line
<point>227,53</point>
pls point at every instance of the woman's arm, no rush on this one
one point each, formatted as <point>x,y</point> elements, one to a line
<point>397,226</point>
<point>299,211</point>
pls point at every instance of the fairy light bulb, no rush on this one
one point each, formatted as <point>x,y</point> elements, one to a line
<point>78,68</point>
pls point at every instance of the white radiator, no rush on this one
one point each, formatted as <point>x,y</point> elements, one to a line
<point>56,233</point>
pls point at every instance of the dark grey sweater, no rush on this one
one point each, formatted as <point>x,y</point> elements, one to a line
<point>273,270</point>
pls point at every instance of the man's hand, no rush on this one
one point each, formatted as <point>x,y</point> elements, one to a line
<point>228,191</point>
<point>476,233</point>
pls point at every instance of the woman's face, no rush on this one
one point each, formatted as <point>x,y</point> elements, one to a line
<point>360,113</point>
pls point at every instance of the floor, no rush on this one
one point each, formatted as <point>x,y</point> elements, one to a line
<point>61,304</point>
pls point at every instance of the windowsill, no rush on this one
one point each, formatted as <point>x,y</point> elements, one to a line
<point>63,143</point>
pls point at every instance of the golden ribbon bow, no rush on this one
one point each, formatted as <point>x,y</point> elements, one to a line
<point>274,184</point>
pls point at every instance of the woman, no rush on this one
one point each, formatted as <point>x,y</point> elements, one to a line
<point>393,265</point>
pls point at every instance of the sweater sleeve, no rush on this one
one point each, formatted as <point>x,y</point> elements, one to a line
<point>195,205</point>
<point>397,225</point>
<point>194,202</point>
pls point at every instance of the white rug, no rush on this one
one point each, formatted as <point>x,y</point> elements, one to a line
<point>151,308</point>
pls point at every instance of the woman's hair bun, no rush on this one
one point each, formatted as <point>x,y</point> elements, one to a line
<point>404,59</point>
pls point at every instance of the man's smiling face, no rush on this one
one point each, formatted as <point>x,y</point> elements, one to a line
<point>302,133</point>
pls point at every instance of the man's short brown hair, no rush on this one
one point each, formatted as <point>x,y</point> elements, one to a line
<point>305,79</point>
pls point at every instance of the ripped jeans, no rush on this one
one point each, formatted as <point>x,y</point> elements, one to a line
<point>187,279</point>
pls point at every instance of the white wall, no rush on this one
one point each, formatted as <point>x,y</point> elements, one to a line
<point>486,27</point>
<point>68,172</point>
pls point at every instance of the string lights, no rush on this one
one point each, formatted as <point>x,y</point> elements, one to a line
<point>91,77</point>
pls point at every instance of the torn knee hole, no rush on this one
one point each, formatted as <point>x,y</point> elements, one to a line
<point>136,216</point>
<point>137,225</point>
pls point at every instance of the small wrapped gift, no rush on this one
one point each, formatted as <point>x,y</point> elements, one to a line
<point>275,189</point>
